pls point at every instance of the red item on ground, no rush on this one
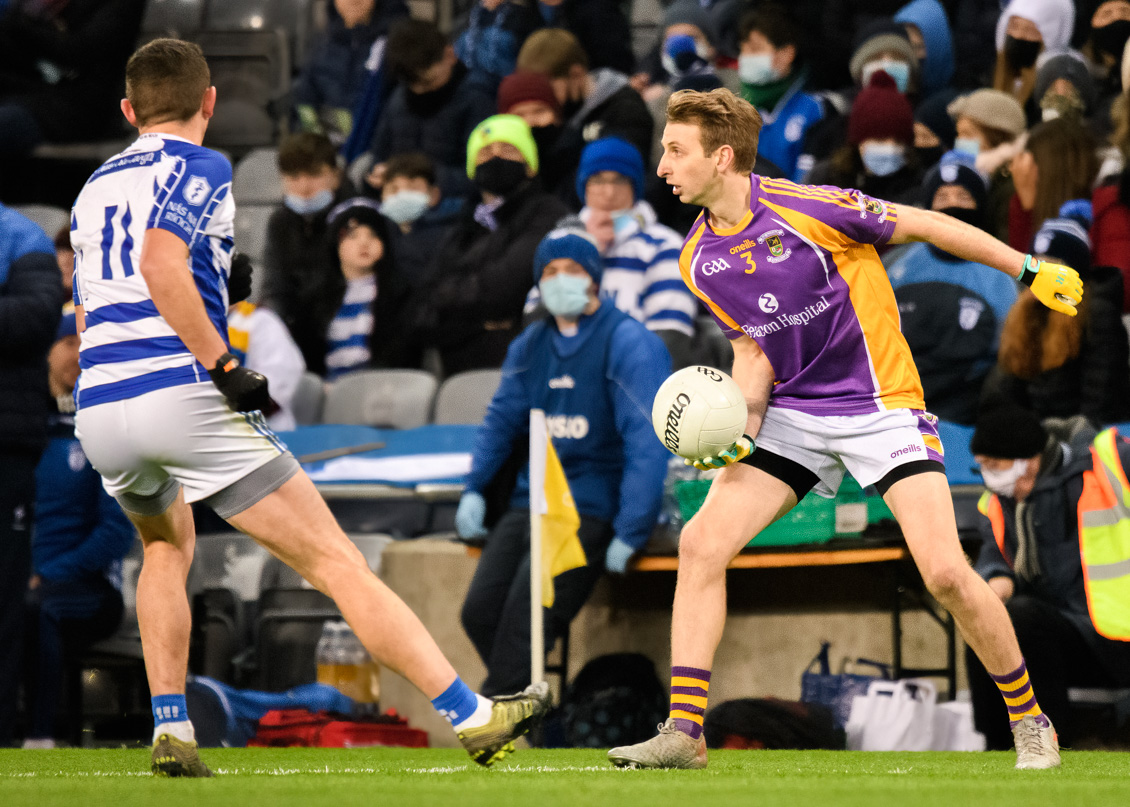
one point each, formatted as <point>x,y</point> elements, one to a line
<point>299,728</point>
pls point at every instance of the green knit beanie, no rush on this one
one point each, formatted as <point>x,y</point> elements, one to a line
<point>502,129</point>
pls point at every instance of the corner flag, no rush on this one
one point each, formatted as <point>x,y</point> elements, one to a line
<point>552,506</point>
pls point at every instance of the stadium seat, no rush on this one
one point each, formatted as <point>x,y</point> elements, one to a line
<point>175,18</point>
<point>396,399</point>
<point>257,180</point>
<point>251,232</point>
<point>50,218</point>
<point>297,18</point>
<point>251,73</point>
<point>309,399</point>
<point>464,397</point>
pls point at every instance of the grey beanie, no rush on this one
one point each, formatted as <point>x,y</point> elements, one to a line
<point>1071,67</point>
<point>882,35</point>
<point>689,12</point>
<point>991,108</point>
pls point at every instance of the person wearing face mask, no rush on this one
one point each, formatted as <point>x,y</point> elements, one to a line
<point>1046,553</point>
<point>928,28</point>
<point>951,310</point>
<point>435,106</point>
<point>297,267</point>
<point>1059,366</point>
<point>1025,29</point>
<point>588,366</point>
<point>773,76</point>
<point>473,308</point>
<point>641,256</point>
<point>530,96</point>
<point>1064,89</point>
<point>1110,30</point>
<point>879,157</point>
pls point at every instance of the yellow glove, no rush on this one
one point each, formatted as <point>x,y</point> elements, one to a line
<point>1058,287</point>
<point>741,449</point>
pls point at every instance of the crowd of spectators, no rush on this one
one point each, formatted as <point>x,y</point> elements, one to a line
<point>466,148</point>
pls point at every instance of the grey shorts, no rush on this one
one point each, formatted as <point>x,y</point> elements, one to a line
<point>150,447</point>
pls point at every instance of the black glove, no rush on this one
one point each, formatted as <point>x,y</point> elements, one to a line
<point>239,280</point>
<point>245,390</point>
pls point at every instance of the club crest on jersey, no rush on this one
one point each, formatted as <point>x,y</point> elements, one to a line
<point>874,206</point>
<point>777,250</point>
<point>196,190</point>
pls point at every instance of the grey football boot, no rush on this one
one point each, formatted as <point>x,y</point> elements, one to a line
<point>670,748</point>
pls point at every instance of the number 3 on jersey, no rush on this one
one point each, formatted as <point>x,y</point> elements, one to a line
<point>748,255</point>
<point>108,238</point>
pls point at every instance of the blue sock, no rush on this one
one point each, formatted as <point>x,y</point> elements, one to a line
<point>169,709</point>
<point>457,702</point>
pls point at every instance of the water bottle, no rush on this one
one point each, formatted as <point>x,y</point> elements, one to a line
<point>364,685</point>
<point>326,653</point>
<point>851,508</point>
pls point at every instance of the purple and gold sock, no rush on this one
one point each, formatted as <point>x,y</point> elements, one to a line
<point>689,686</point>
<point>1018,696</point>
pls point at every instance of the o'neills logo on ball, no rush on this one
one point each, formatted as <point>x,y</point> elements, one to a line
<point>674,414</point>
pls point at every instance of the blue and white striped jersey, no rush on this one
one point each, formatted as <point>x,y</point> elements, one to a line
<point>161,181</point>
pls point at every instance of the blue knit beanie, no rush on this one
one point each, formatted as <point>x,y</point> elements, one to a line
<point>576,245</point>
<point>611,154</point>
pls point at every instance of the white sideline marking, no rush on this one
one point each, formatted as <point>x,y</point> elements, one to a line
<point>323,771</point>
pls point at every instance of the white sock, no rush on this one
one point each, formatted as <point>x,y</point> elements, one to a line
<point>479,717</point>
<point>181,729</point>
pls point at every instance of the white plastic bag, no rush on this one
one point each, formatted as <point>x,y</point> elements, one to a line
<point>953,728</point>
<point>893,716</point>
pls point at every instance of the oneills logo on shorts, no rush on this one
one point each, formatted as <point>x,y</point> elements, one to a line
<point>674,415</point>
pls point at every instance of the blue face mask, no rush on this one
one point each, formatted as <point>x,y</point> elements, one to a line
<point>565,295</point>
<point>899,71</point>
<point>309,206</point>
<point>622,220</point>
<point>967,145</point>
<point>406,206</point>
<point>882,159</point>
<point>757,69</point>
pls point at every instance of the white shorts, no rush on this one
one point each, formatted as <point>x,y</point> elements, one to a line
<point>147,448</point>
<point>870,446</point>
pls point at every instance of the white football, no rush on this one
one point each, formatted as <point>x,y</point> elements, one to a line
<point>698,412</point>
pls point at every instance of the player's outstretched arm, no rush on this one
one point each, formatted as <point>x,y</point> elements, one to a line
<point>164,265</point>
<point>1058,287</point>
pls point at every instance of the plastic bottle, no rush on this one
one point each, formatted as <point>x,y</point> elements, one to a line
<point>326,653</point>
<point>363,674</point>
<point>677,471</point>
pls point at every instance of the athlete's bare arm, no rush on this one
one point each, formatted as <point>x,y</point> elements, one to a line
<point>957,238</point>
<point>755,376</point>
<point>164,265</point>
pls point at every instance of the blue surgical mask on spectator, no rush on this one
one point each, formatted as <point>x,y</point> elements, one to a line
<point>622,220</point>
<point>565,295</point>
<point>967,145</point>
<point>899,71</point>
<point>757,68</point>
<point>304,206</point>
<point>882,159</point>
<point>406,206</point>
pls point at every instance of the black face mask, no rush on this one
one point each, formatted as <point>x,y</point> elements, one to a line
<point>929,157</point>
<point>970,215</point>
<point>1021,52</point>
<point>545,138</point>
<point>500,176</point>
<point>1111,38</point>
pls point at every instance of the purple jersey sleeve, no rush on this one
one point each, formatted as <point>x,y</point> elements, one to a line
<point>861,219</point>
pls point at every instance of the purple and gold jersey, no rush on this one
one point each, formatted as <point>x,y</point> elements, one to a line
<point>800,276</point>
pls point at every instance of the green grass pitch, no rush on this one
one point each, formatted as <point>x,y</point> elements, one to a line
<point>446,778</point>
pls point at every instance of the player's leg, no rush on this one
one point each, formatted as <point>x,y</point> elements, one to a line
<point>922,506</point>
<point>294,523</point>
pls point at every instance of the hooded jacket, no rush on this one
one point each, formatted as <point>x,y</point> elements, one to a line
<point>1047,521</point>
<point>929,17</point>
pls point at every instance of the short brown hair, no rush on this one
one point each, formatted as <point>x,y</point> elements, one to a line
<point>551,52</point>
<point>166,80</point>
<point>723,119</point>
<point>411,165</point>
<point>306,153</point>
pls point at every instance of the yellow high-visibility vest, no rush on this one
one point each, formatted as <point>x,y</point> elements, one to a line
<point>1104,539</point>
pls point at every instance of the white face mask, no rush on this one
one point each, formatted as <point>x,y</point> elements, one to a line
<point>1003,483</point>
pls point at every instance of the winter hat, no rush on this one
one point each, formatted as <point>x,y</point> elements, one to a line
<point>932,114</point>
<point>1055,20</point>
<point>881,112</point>
<point>520,87</point>
<point>361,210</point>
<point>1065,238</point>
<point>574,244</point>
<point>953,173</point>
<point>1068,65</point>
<point>882,35</point>
<point>1008,431</point>
<point>611,154</point>
<point>929,17</point>
<point>690,12</point>
<point>991,108</point>
<point>502,129</point>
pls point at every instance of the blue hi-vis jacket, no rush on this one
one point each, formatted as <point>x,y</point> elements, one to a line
<point>596,389</point>
<point>783,128</point>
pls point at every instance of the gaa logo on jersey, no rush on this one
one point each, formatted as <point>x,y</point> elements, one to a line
<point>767,303</point>
<point>715,266</point>
<point>772,240</point>
<point>196,190</point>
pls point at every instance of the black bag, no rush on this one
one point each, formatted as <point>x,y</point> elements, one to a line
<point>614,700</point>
<point>772,724</point>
